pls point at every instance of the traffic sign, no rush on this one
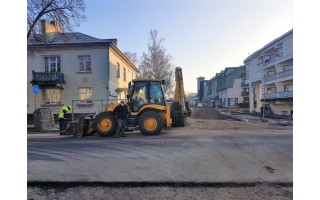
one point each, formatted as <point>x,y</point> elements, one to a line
<point>36,89</point>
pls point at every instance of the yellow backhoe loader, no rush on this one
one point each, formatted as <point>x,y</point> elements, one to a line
<point>149,111</point>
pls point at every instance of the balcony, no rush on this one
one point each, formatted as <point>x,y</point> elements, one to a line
<point>243,75</point>
<point>269,78</point>
<point>286,94</point>
<point>270,96</point>
<point>244,93</point>
<point>243,84</point>
<point>278,96</point>
<point>285,74</point>
<point>48,78</point>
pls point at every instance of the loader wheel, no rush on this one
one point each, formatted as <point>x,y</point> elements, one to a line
<point>150,123</point>
<point>105,124</point>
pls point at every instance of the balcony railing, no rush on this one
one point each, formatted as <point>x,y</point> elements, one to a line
<point>47,78</point>
<point>269,78</point>
<point>244,84</point>
<point>244,93</point>
<point>285,74</point>
<point>285,94</point>
<point>270,96</point>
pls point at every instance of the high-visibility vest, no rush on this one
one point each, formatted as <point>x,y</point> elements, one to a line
<point>61,113</point>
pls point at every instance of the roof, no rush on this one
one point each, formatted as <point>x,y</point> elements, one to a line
<point>146,80</point>
<point>62,39</point>
<point>258,52</point>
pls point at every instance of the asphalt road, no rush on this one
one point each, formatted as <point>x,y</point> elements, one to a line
<point>240,156</point>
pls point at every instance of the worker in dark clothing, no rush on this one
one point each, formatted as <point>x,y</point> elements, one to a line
<point>63,120</point>
<point>121,112</point>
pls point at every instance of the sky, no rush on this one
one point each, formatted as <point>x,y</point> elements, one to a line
<point>202,37</point>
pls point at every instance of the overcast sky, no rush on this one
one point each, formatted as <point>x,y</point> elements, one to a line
<point>203,37</point>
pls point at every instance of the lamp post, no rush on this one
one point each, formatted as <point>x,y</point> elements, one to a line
<point>264,97</point>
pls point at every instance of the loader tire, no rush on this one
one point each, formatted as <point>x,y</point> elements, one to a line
<point>150,123</point>
<point>105,124</point>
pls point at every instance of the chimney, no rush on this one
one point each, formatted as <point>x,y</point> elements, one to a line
<point>50,28</point>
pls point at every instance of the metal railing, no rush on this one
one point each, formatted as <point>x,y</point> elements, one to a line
<point>285,74</point>
<point>269,78</point>
<point>90,107</point>
<point>243,84</point>
<point>270,96</point>
<point>48,77</point>
<point>285,94</point>
<point>244,93</point>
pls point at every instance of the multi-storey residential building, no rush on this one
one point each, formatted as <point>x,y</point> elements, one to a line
<point>269,73</point>
<point>229,87</point>
<point>226,89</point>
<point>75,66</point>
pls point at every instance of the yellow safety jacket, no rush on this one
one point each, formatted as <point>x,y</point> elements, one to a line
<point>63,110</point>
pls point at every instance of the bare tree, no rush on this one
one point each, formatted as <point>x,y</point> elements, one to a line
<point>156,63</point>
<point>132,57</point>
<point>68,13</point>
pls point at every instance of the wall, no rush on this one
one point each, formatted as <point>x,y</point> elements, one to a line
<point>118,82</point>
<point>69,63</point>
<point>278,108</point>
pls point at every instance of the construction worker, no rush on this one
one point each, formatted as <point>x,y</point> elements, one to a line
<point>62,119</point>
<point>121,112</point>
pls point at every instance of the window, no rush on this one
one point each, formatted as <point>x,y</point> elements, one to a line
<point>156,95</point>
<point>52,96</point>
<point>124,74</point>
<point>271,90</point>
<point>118,70</point>
<point>288,87</point>
<point>85,95</point>
<point>52,64</point>
<point>139,96</point>
<point>84,63</point>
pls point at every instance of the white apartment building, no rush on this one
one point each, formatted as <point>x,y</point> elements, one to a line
<point>269,73</point>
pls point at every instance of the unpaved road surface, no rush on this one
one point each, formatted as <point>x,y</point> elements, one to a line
<point>217,158</point>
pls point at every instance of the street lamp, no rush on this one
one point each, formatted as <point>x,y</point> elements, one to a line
<point>264,97</point>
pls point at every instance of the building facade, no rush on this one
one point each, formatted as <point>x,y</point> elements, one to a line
<point>269,73</point>
<point>229,87</point>
<point>77,69</point>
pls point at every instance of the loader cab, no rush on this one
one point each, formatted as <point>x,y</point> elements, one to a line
<point>142,92</point>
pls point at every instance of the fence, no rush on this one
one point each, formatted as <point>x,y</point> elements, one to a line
<point>81,107</point>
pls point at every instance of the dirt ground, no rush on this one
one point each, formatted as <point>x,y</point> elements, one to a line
<point>214,123</point>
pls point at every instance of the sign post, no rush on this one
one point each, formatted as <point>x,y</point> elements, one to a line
<point>36,90</point>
